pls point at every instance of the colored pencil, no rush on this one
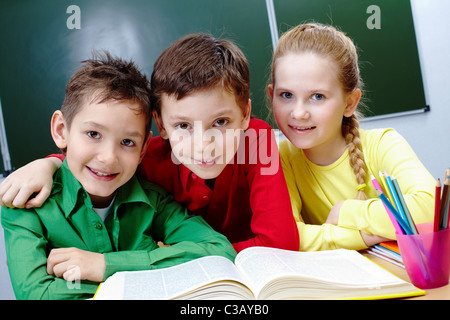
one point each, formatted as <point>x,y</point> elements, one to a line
<point>403,205</point>
<point>446,214</point>
<point>394,196</point>
<point>444,204</point>
<point>444,201</point>
<point>385,187</point>
<point>394,212</point>
<point>377,186</point>
<point>437,206</point>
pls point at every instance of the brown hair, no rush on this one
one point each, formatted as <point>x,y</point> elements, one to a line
<point>104,78</point>
<point>197,62</point>
<point>332,43</point>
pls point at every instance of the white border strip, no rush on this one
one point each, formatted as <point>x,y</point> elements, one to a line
<point>272,22</point>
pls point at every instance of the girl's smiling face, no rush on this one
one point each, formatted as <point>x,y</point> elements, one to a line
<point>203,129</point>
<point>309,104</point>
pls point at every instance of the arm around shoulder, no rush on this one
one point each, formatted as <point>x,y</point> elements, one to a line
<point>30,185</point>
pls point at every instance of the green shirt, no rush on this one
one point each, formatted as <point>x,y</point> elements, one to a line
<point>142,214</point>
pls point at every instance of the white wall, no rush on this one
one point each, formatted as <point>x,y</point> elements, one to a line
<point>429,133</point>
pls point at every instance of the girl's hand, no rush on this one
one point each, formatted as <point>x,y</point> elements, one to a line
<point>35,178</point>
<point>333,216</point>
<point>371,239</point>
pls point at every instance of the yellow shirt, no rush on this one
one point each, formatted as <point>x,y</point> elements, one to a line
<point>315,189</point>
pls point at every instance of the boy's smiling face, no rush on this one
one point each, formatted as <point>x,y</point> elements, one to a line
<point>104,146</point>
<point>203,129</point>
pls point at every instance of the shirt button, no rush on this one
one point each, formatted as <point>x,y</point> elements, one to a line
<point>194,176</point>
<point>98,226</point>
<point>206,198</point>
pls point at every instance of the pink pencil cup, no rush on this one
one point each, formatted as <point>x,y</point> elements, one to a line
<point>426,256</point>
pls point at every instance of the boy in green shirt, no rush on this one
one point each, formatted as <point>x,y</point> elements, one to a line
<point>100,218</point>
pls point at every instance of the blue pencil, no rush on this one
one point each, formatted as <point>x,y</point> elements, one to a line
<point>402,223</point>
<point>398,205</point>
<point>409,218</point>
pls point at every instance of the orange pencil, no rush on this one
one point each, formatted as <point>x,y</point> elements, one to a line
<point>437,206</point>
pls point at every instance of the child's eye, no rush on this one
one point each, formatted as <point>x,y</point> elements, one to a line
<point>318,96</point>
<point>286,95</point>
<point>93,134</point>
<point>183,126</point>
<point>221,123</point>
<point>128,143</point>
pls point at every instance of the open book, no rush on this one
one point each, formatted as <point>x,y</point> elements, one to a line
<point>263,273</point>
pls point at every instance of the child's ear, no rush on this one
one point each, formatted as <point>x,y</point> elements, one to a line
<point>145,146</point>
<point>270,90</point>
<point>352,102</point>
<point>59,129</point>
<point>159,125</point>
<point>246,115</point>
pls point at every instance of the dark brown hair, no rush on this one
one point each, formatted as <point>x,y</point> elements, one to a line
<point>198,62</point>
<point>104,78</point>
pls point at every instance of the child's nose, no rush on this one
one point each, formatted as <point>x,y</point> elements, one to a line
<point>107,154</point>
<point>300,112</point>
<point>204,144</point>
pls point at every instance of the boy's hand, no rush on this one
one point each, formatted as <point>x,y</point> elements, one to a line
<point>33,178</point>
<point>162,245</point>
<point>75,264</point>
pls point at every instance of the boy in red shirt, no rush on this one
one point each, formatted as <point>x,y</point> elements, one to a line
<point>210,154</point>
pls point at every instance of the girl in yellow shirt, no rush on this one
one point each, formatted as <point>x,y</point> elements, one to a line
<point>327,160</point>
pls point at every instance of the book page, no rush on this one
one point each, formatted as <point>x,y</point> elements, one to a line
<point>344,267</point>
<point>168,283</point>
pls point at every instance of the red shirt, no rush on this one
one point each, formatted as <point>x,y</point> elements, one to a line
<point>248,205</point>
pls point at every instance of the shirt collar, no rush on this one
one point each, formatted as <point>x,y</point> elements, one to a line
<point>133,191</point>
<point>66,189</point>
<point>185,173</point>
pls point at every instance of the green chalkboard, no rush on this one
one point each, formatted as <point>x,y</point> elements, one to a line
<point>40,52</point>
<point>383,31</point>
<point>41,47</point>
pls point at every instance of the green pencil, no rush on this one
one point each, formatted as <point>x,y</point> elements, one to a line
<point>403,203</point>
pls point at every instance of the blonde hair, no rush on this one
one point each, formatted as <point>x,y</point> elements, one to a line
<point>329,42</point>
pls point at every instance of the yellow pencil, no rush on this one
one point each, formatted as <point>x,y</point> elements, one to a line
<point>385,187</point>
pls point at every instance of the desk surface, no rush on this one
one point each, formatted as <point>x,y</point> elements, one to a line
<point>442,293</point>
